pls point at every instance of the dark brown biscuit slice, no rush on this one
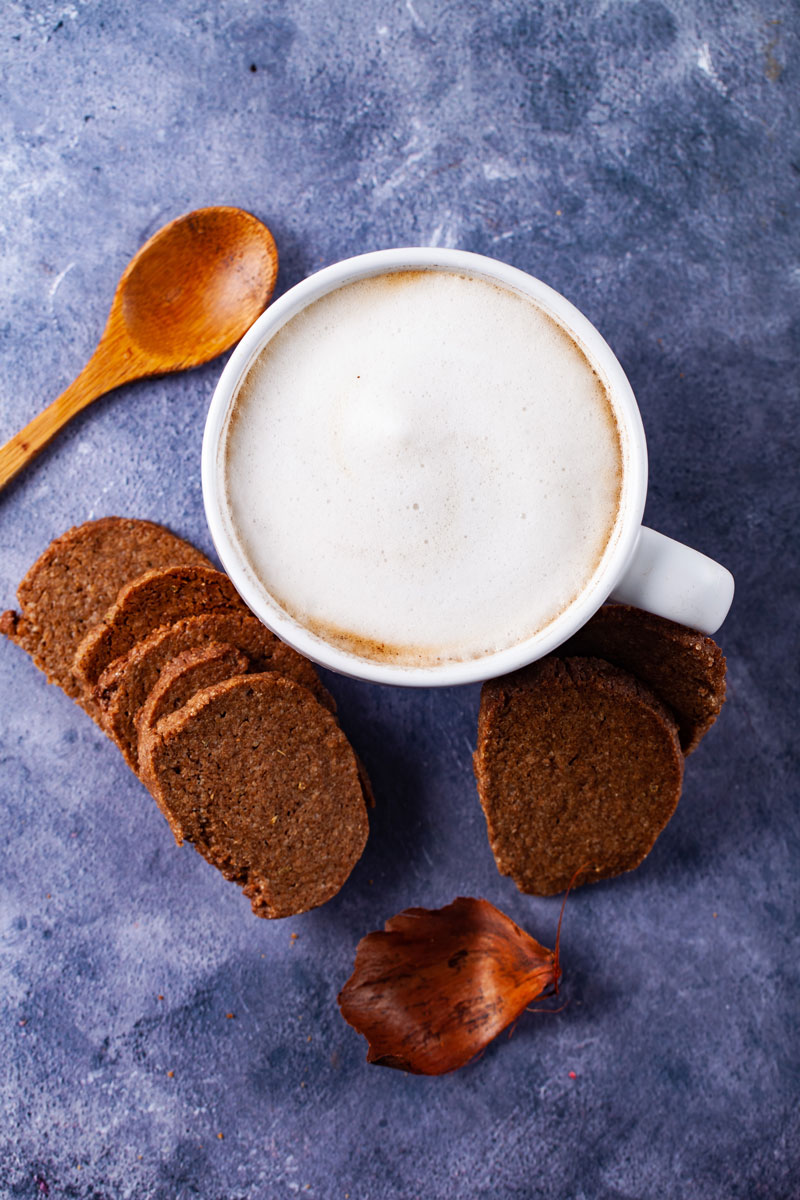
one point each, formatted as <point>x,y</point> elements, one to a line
<point>123,687</point>
<point>77,578</point>
<point>578,765</point>
<point>260,778</point>
<point>187,673</point>
<point>156,598</point>
<point>686,670</point>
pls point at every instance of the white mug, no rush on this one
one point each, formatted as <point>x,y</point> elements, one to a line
<point>643,568</point>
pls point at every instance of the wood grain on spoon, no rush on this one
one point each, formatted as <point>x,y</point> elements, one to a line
<point>189,294</point>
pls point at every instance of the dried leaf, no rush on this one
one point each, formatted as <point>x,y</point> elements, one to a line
<point>439,984</point>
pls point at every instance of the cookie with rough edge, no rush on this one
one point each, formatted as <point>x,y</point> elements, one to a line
<point>578,765</point>
<point>187,673</point>
<point>259,777</point>
<point>686,670</point>
<point>156,598</point>
<point>123,687</point>
<point>74,582</point>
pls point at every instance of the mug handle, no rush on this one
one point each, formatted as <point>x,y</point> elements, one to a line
<point>671,580</point>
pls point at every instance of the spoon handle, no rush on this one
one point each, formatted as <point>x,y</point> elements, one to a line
<point>94,380</point>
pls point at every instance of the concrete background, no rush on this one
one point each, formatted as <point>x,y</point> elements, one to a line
<point>642,156</point>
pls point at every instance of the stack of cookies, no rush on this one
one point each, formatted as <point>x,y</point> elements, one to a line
<point>230,729</point>
<point>580,756</point>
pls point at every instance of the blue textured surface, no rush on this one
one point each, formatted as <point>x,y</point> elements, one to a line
<point>642,158</point>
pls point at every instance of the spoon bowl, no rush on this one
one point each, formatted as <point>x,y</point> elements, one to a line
<point>196,287</point>
<point>189,294</point>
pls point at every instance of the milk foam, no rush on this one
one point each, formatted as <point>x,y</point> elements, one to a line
<point>422,468</point>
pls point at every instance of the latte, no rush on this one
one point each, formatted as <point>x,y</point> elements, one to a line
<point>422,467</point>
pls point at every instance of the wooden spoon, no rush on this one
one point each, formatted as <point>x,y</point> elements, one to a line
<point>189,294</point>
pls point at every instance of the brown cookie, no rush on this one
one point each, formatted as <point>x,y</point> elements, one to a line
<point>187,673</point>
<point>156,598</point>
<point>73,583</point>
<point>686,670</point>
<point>578,766</point>
<point>123,687</point>
<point>260,778</point>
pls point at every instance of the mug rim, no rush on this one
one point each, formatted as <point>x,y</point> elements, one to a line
<point>634,470</point>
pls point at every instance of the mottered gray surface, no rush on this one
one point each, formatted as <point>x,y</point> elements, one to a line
<point>641,157</point>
